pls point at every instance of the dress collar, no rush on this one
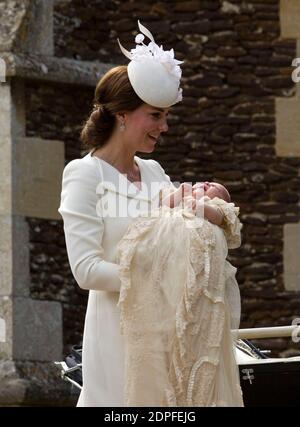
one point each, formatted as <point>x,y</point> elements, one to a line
<point>114,181</point>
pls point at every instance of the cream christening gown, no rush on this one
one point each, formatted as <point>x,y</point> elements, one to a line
<point>179,300</point>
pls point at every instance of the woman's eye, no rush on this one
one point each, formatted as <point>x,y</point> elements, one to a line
<point>155,115</point>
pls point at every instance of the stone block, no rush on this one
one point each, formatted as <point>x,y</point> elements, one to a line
<point>291,264</point>
<point>12,111</point>
<point>35,384</point>
<point>6,261</point>
<point>289,19</point>
<point>14,256</point>
<point>37,177</point>
<point>5,175</point>
<point>2,70</point>
<point>27,26</point>
<point>33,329</point>
<point>6,320</point>
<point>18,108</point>
<point>287,127</point>
<point>12,387</point>
<point>55,69</point>
<point>37,330</point>
<point>12,15</point>
<point>2,330</point>
<point>5,112</point>
<point>12,119</point>
<point>20,257</point>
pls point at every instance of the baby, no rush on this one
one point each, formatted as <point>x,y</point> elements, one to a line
<point>212,201</point>
<point>177,326</point>
<point>196,197</point>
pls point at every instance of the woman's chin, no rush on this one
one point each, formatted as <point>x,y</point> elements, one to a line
<point>148,149</point>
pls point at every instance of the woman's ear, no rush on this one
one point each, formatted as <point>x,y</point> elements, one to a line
<point>120,117</point>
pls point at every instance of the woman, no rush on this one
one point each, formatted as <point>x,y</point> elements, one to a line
<point>99,200</point>
<point>121,124</point>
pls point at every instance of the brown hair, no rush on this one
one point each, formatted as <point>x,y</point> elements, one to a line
<point>113,94</point>
<point>226,195</point>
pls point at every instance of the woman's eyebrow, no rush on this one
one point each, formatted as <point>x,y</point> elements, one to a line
<point>160,110</point>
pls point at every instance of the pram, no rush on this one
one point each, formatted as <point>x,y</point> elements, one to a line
<point>265,381</point>
<point>71,367</point>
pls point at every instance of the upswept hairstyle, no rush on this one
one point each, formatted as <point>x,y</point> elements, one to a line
<point>113,94</point>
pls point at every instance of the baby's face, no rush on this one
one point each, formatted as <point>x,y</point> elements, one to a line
<point>211,190</point>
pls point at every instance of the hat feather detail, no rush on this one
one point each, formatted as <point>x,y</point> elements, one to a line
<point>125,51</point>
<point>145,31</point>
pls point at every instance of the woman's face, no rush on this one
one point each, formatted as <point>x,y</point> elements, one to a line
<point>144,126</point>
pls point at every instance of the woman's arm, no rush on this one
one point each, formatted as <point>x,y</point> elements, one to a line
<point>164,179</point>
<point>84,229</point>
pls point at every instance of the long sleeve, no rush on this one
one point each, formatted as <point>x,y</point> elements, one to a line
<point>166,185</point>
<point>231,224</point>
<point>84,228</point>
<point>166,181</point>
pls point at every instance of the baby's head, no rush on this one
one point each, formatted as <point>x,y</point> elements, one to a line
<point>211,190</point>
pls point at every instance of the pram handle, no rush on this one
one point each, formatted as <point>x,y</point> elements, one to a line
<point>275,332</point>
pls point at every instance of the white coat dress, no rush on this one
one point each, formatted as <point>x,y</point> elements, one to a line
<point>94,223</point>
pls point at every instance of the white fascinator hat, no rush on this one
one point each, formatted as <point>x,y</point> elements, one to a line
<point>154,73</point>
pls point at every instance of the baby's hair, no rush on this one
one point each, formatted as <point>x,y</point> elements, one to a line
<point>227,197</point>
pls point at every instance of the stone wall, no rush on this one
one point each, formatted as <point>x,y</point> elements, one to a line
<point>56,112</point>
<point>235,66</point>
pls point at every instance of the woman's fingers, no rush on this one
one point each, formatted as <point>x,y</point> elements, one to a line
<point>198,193</point>
<point>187,189</point>
<point>190,203</point>
<point>198,185</point>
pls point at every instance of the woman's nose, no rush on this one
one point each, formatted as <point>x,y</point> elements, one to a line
<point>164,127</point>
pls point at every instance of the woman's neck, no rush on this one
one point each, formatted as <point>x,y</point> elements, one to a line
<point>121,159</point>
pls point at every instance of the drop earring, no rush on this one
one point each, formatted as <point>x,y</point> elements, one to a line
<point>122,127</point>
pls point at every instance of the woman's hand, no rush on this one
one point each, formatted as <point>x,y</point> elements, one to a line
<point>198,190</point>
<point>175,198</point>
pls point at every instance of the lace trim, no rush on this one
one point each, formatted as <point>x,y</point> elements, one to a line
<point>187,343</point>
<point>231,223</point>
